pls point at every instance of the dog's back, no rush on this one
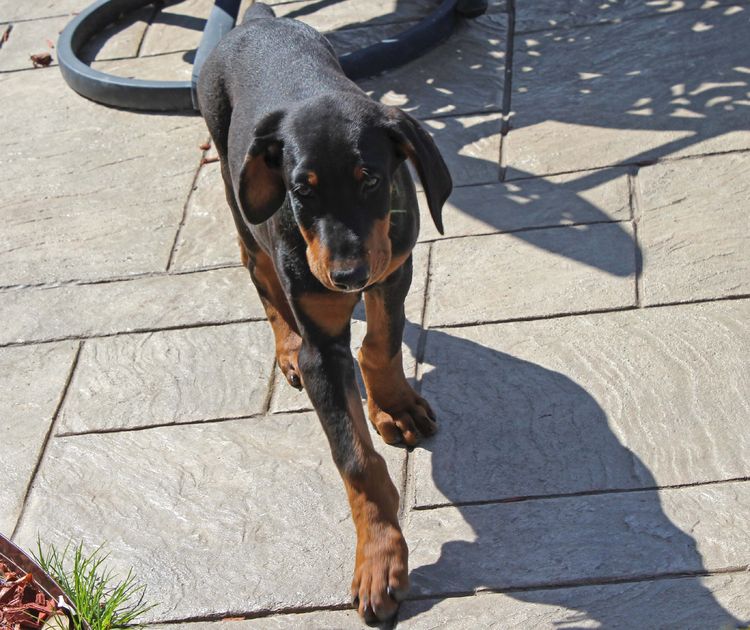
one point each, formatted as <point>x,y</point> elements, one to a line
<point>280,58</point>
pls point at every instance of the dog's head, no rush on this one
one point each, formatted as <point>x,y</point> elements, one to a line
<point>336,159</point>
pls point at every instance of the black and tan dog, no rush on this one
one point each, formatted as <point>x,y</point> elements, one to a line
<point>326,211</point>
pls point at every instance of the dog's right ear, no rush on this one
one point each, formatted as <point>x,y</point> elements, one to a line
<point>256,175</point>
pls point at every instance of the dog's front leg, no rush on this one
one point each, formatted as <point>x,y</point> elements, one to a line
<point>397,411</point>
<point>327,367</point>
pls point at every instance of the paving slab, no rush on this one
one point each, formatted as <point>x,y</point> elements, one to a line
<point>208,236</point>
<point>178,26</point>
<point>30,38</point>
<point>564,270</point>
<point>33,380</point>
<point>587,197</point>
<point>176,66</point>
<point>14,10</point>
<point>230,518</point>
<point>121,39</point>
<point>712,602</point>
<point>645,398</point>
<point>533,16</point>
<point>170,377</point>
<point>465,74</point>
<point>694,229</point>
<point>683,93</point>
<point>89,192</point>
<point>348,40</point>
<point>584,539</point>
<point>470,146</point>
<point>150,303</point>
<point>285,398</point>
<point>350,13</point>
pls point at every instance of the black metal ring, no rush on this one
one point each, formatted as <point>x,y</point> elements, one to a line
<point>177,95</point>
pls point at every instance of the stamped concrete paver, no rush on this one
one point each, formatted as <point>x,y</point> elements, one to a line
<point>168,377</point>
<point>33,380</point>
<point>30,38</point>
<point>89,192</point>
<point>176,66</point>
<point>346,14</point>
<point>164,301</point>
<point>564,270</point>
<point>14,10</point>
<point>557,435</point>
<point>592,197</point>
<point>176,27</point>
<point>535,16</point>
<point>590,403</point>
<point>208,236</point>
<point>255,510</point>
<point>470,146</point>
<point>121,39</point>
<point>580,539</point>
<point>712,602</point>
<point>463,75</point>
<point>694,229</point>
<point>583,99</point>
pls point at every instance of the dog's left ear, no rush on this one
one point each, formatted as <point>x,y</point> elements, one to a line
<point>256,172</point>
<point>415,143</point>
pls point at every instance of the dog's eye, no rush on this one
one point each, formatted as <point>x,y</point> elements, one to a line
<point>371,182</point>
<point>303,190</point>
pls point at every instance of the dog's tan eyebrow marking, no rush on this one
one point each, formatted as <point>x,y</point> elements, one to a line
<point>359,172</point>
<point>312,178</point>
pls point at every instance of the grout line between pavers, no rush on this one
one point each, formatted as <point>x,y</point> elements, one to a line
<point>465,324</point>
<point>136,331</point>
<point>183,219</point>
<point>48,437</point>
<point>602,311</point>
<point>79,282</point>
<point>407,485</point>
<point>634,163</point>
<point>188,423</point>
<point>575,495</point>
<point>457,594</point>
<point>635,214</point>
<point>581,583</point>
<point>158,6</point>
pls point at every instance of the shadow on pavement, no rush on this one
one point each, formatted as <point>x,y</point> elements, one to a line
<point>550,436</point>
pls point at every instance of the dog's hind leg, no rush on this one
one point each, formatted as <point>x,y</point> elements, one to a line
<point>278,311</point>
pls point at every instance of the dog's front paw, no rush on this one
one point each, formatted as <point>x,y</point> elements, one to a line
<point>381,575</point>
<point>404,418</point>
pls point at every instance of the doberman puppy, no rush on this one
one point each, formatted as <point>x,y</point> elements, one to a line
<point>316,178</point>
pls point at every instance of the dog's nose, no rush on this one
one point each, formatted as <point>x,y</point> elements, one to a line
<point>350,278</point>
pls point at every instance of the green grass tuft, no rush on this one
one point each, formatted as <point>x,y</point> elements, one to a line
<point>100,599</point>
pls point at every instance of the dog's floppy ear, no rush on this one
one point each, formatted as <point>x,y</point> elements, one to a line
<point>256,173</point>
<point>416,144</point>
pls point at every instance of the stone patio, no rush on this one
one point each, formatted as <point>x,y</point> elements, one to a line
<point>582,329</point>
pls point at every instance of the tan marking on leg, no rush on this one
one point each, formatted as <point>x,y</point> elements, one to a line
<point>278,311</point>
<point>381,561</point>
<point>396,410</point>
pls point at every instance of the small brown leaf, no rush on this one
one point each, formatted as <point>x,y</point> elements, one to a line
<point>42,59</point>
<point>205,146</point>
